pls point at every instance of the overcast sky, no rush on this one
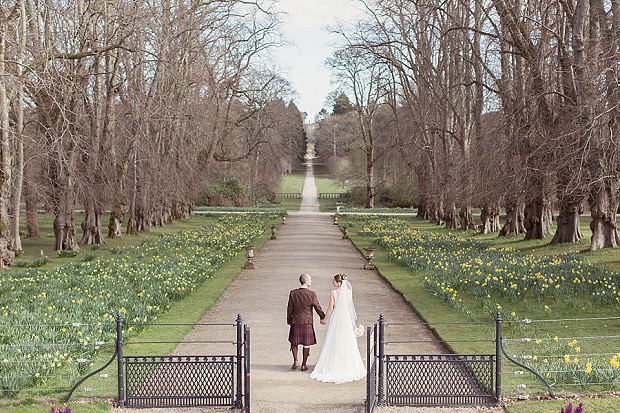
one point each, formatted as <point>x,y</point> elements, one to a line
<point>303,62</point>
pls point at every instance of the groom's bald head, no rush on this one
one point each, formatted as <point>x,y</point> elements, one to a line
<point>304,279</point>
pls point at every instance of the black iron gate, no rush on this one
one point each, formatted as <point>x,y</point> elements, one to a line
<point>187,381</point>
<point>179,381</point>
<point>439,380</point>
<point>371,366</point>
<point>430,379</point>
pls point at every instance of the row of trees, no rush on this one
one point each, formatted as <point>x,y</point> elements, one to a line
<point>507,104</point>
<point>136,107</point>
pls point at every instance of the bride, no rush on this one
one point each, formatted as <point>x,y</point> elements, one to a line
<point>340,359</point>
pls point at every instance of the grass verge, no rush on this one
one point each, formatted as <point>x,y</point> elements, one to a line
<point>293,182</point>
<point>596,404</point>
<point>33,246</point>
<point>434,309</point>
<point>187,311</point>
<point>94,407</point>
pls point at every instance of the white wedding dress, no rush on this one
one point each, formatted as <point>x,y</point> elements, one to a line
<point>340,359</point>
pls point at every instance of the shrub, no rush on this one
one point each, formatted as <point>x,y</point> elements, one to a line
<point>357,195</point>
<point>66,253</point>
<point>39,262</point>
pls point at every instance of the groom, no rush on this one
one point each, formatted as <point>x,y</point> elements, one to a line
<point>299,316</point>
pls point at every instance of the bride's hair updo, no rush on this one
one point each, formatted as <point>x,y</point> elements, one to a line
<point>339,278</point>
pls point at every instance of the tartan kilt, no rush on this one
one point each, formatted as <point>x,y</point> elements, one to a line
<point>302,334</point>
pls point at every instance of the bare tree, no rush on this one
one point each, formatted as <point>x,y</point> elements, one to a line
<point>365,78</point>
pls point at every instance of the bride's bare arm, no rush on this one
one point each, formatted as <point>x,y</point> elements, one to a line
<point>330,308</point>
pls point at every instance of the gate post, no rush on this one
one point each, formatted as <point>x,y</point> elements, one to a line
<point>381,359</point>
<point>247,369</point>
<point>369,362</point>
<point>119,358</point>
<point>238,401</point>
<point>498,357</point>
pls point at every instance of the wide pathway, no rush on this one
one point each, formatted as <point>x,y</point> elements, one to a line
<point>309,243</point>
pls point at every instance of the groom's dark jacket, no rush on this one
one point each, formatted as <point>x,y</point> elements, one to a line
<point>300,304</point>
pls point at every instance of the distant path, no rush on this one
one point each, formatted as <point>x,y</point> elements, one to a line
<point>308,243</point>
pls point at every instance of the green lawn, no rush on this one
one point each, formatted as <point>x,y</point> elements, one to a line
<point>34,246</point>
<point>434,309</point>
<point>604,404</point>
<point>325,182</point>
<point>187,311</point>
<point>94,407</point>
<point>293,182</point>
<point>292,204</point>
<point>609,257</point>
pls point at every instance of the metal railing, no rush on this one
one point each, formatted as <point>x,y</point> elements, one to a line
<point>183,380</point>
<point>331,195</point>
<point>443,379</point>
<point>288,195</point>
<point>371,366</point>
<point>431,379</point>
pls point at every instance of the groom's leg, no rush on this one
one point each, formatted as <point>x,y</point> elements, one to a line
<point>306,353</point>
<point>294,351</point>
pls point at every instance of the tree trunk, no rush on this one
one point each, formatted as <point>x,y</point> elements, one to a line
<point>16,206</point>
<point>18,179</point>
<point>32,219</point>
<point>370,178</point>
<point>451,218</point>
<point>515,220</point>
<point>132,222</point>
<point>568,229</point>
<point>181,210</point>
<point>63,202</point>
<point>441,214</point>
<point>6,255</point>
<point>604,202</point>
<point>433,214</point>
<point>93,211</point>
<point>489,215</point>
<point>91,226</point>
<point>142,216</point>
<point>467,219</point>
<point>422,208</point>
<point>64,230</point>
<point>538,217</point>
<point>166,215</point>
<point>436,213</point>
<point>115,225</point>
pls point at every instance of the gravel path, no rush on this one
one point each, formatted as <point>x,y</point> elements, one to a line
<point>308,243</point>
